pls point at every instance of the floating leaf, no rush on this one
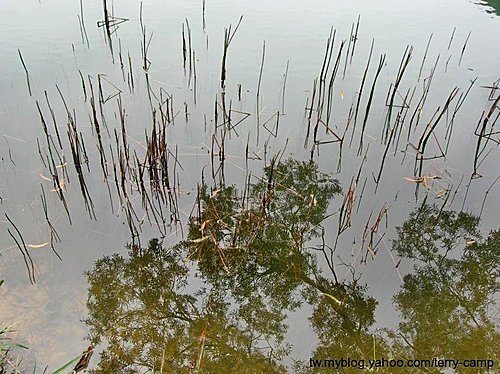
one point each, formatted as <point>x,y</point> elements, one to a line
<point>36,246</point>
<point>423,180</point>
<point>44,177</point>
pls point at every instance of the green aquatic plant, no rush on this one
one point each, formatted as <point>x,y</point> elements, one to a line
<point>11,355</point>
<point>10,359</point>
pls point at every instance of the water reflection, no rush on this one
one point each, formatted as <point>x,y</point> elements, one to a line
<point>247,248</point>
<point>217,302</point>
<point>447,303</point>
<point>126,109</point>
<point>493,6</point>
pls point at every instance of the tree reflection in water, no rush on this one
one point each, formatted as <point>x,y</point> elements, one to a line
<point>248,249</point>
<point>448,303</point>
<point>494,4</point>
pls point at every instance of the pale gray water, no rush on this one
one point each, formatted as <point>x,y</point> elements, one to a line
<point>47,33</point>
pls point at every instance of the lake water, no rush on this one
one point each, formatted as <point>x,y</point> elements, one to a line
<point>160,62</point>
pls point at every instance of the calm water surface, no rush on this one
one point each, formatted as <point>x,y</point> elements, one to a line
<point>273,101</point>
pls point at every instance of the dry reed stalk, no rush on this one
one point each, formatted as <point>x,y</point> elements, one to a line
<point>369,103</point>
<point>28,261</point>
<point>360,93</point>
<point>25,70</point>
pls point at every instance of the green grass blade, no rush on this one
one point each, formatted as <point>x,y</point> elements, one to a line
<point>68,364</point>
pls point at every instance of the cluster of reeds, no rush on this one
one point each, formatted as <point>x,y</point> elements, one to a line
<point>406,102</point>
<point>109,24</point>
<point>151,173</point>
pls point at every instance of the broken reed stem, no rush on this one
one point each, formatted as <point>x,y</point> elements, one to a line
<point>51,163</point>
<point>76,154</point>
<point>106,18</point>
<point>53,232</point>
<point>97,129</point>
<point>355,38</point>
<point>24,251</point>
<point>310,113</point>
<point>187,51</point>
<point>331,83</point>
<point>361,91</point>
<point>53,120</point>
<point>384,156</point>
<point>463,48</point>
<point>482,134</point>
<point>486,195</point>
<point>82,80</point>
<point>401,116</point>
<point>351,37</point>
<point>370,99</point>
<point>324,72</point>
<point>184,49</point>
<point>402,67</point>
<point>228,37</point>
<point>429,130</point>
<point>424,58</point>
<point>459,104</point>
<point>83,24</point>
<point>283,90</point>
<point>130,79</point>
<point>417,113</point>
<point>258,88</point>
<point>203,15</point>
<point>451,38</point>
<point>195,78</point>
<point>25,70</point>
<point>426,134</point>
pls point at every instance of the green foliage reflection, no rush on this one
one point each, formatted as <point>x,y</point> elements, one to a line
<point>247,251</point>
<point>448,302</point>
<point>217,302</point>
